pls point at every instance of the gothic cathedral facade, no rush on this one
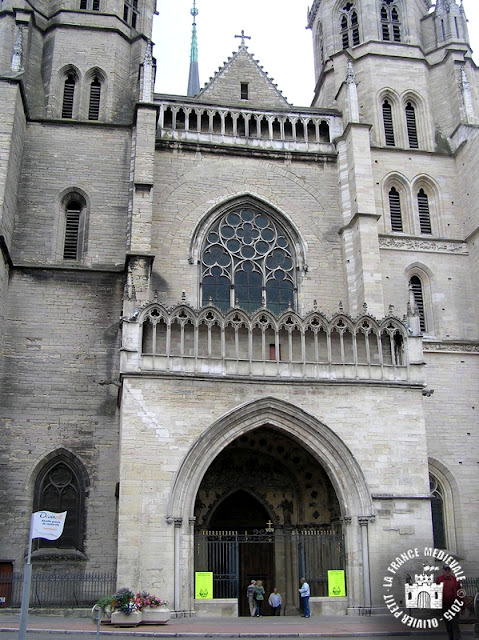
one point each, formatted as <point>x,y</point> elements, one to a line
<point>304,402</point>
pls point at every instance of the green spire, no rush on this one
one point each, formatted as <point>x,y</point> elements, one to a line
<point>194,79</point>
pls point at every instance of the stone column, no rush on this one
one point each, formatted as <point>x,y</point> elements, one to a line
<point>177,522</point>
<point>363,523</point>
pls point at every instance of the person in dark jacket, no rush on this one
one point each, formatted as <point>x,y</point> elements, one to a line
<point>452,602</point>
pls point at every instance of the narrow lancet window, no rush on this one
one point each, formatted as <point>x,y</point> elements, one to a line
<point>416,286</point>
<point>424,214</point>
<point>395,210</point>
<point>388,124</point>
<point>411,126</point>
<point>68,95</point>
<point>94,105</point>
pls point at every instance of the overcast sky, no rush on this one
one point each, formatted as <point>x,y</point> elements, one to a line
<point>279,40</point>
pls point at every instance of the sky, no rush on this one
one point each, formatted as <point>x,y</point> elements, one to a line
<point>279,40</point>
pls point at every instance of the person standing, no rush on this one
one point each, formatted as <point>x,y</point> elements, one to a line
<point>275,602</point>
<point>450,597</point>
<point>304,594</point>
<point>250,595</point>
<point>259,596</point>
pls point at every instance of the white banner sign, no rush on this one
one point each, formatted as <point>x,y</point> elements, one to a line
<point>46,524</point>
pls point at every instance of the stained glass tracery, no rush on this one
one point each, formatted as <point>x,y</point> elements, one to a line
<point>247,261</point>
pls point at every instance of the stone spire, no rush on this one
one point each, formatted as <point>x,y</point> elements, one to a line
<point>194,77</point>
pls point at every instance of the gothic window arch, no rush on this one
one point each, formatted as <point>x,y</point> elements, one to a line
<point>416,286</point>
<point>74,212</point>
<point>411,125</point>
<point>68,101</point>
<point>94,101</point>
<point>388,123</point>
<point>423,212</point>
<point>248,260</point>
<point>437,512</point>
<point>426,206</point>
<point>61,485</point>
<point>349,25</point>
<point>395,211</point>
<point>442,488</point>
<point>390,21</point>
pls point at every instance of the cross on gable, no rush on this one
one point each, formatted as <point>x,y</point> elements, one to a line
<point>242,36</point>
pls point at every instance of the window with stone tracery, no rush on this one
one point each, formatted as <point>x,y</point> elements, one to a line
<point>60,486</point>
<point>349,26</point>
<point>247,260</point>
<point>390,23</point>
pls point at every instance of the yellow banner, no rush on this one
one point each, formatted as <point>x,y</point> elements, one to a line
<point>336,584</point>
<point>204,585</point>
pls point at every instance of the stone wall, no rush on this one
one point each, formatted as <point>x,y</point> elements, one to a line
<point>382,426</point>
<point>60,392</point>
<point>188,187</point>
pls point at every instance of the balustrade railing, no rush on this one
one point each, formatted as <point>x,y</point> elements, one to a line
<point>295,130</point>
<point>210,342</point>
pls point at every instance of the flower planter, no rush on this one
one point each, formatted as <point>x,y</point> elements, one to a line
<point>155,615</point>
<point>120,619</point>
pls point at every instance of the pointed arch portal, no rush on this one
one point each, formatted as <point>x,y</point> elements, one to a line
<point>268,470</point>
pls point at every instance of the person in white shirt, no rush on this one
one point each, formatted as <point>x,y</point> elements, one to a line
<point>304,594</point>
<point>275,602</point>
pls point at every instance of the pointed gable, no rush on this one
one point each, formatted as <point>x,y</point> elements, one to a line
<point>241,81</point>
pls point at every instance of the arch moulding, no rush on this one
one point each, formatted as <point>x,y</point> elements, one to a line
<point>324,445</point>
<point>320,441</point>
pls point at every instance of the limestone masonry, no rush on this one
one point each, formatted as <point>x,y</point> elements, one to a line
<point>238,335</point>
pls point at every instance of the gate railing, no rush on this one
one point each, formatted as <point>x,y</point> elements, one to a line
<point>57,589</point>
<point>317,552</point>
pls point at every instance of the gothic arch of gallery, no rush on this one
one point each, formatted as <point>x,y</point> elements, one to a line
<point>320,441</point>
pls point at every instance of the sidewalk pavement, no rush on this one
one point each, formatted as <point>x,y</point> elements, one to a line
<point>269,626</point>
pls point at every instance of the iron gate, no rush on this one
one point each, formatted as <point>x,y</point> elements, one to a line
<point>316,552</point>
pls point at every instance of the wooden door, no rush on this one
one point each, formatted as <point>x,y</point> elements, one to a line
<point>256,561</point>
